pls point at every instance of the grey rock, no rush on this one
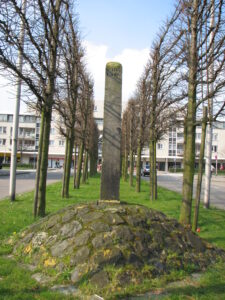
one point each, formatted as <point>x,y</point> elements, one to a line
<point>102,239</point>
<point>100,279</point>
<point>68,216</point>
<point>137,220</point>
<point>80,256</point>
<point>109,256</point>
<point>90,217</point>
<point>51,240</point>
<point>39,239</point>
<point>66,289</point>
<point>195,241</point>
<point>82,210</point>
<point>82,238</point>
<point>41,278</point>
<point>79,272</point>
<point>99,227</point>
<point>113,219</point>
<point>141,249</point>
<point>52,221</point>
<point>28,237</point>
<point>134,259</point>
<point>70,229</point>
<point>58,250</point>
<point>122,233</point>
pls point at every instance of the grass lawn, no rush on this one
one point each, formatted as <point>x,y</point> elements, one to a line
<point>16,283</point>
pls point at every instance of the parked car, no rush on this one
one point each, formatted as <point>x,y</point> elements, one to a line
<point>145,171</point>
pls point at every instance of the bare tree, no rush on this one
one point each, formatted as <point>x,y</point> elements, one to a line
<point>125,145</point>
<point>132,121</point>
<point>93,147</point>
<point>67,97</point>
<point>195,16</point>
<point>143,98</point>
<point>43,21</point>
<point>165,88</point>
<point>85,110</point>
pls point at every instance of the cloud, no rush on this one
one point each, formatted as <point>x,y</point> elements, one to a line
<point>132,60</point>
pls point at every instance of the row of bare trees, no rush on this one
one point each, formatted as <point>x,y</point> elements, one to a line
<point>184,73</point>
<point>53,76</point>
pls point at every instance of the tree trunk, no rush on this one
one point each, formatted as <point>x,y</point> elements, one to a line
<point>64,169</point>
<point>155,173</point>
<point>75,166</point>
<point>85,168</point>
<point>138,168</point>
<point>139,149</point>
<point>210,88</point>
<point>131,167</point>
<point>93,165</point>
<point>44,164</point>
<point>200,171</point>
<point>151,163</point>
<point>125,171</point>
<point>68,164</point>
<point>38,170</point>
<point>79,165</point>
<point>48,103</point>
<point>189,161</point>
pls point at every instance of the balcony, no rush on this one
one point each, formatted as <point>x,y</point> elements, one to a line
<point>180,152</point>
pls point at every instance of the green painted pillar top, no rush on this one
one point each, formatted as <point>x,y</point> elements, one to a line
<point>110,180</point>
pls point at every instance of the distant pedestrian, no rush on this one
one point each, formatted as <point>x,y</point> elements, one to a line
<point>212,169</point>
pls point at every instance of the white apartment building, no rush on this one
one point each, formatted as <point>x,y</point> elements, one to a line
<point>28,138</point>
<point>169,149</point>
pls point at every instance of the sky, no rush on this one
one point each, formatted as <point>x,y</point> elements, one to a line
<point>111,30</point>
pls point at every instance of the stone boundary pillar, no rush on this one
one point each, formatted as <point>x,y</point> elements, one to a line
<point>110,179</point>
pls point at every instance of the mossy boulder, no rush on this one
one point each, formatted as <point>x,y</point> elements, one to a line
<point>110,245</point>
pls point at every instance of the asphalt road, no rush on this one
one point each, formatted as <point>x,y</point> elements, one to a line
<point>174,182</point>
<point>25,181</point>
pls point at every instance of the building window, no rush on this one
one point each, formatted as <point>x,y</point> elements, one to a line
<point>10,118</point>
<point>2,142</point>
<point>3,129</point>
<point>215,136</point>
<point>29,119</point>
<point>61,142</point>
<point>3,118</point>
<point>51,143</point>
<point>172,141</point>
<point>198,136</point>
<point>180,135</point>
<point>214,148</point>
<point>52,131</point>
<point>21,119</point>
<point>172,152</point>
<point>21,131</point>
<point>160,146</point>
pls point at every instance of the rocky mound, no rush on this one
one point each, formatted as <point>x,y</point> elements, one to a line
<point>110,245</point>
